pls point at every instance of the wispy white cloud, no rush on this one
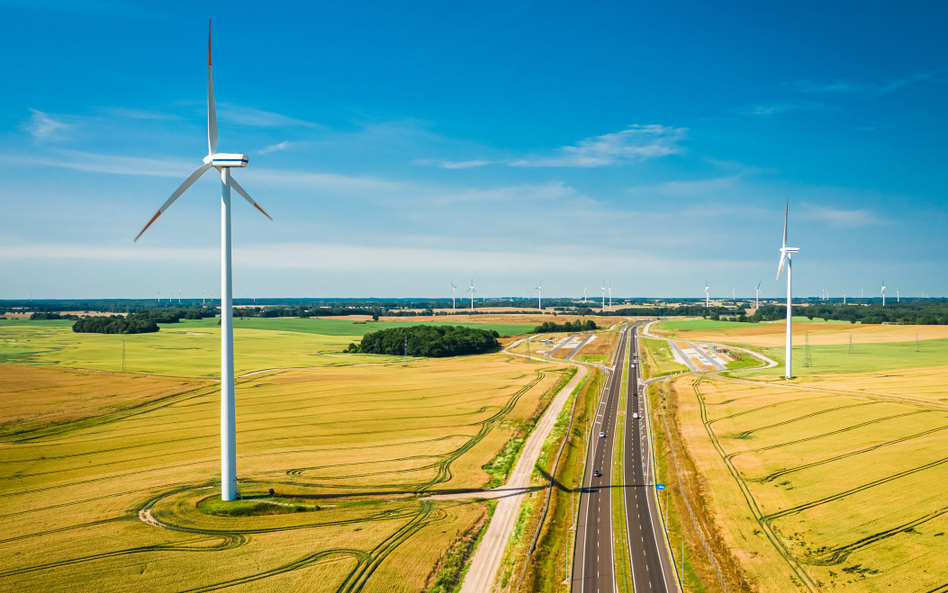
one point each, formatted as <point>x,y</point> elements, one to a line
<point>780,107</point>
<point>455,164</point>
<point>249,116</point>
<point>636,142</point>
<point>345,257</point>
<point>43,127</point>
<point>841,218</point>
<point>274,147</point>
<point>699,187</point>
<point>104,163</point>
<point>871,88</point>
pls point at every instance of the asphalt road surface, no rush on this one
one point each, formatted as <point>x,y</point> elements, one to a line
<point>652,569</point>
<point>593,564</point>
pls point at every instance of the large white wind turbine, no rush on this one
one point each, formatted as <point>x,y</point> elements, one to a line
<point>786,254</point>
<point>883,293</point>
<point>707,297</point>
<point>222,162</point>
<point>472,291</point>
<point>584,294</point>
<point>603,296</point>
<point>757,296</point>
<point>610,296</point>
<point>540,297</point>
<point>898,297</point>
<point>454,305</point>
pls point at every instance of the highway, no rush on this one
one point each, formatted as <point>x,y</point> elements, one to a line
<point>594,559</point>
<point>652,569</point>
<point>593,565</point>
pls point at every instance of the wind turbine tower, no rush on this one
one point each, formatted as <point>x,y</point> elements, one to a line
<point>610,296</point>
<point>540,297</point>
<point>454,304</point>
<point>786,254</point>
<point>757,296</point>
<point>603,296</point>
<point>883,293</point>
<point>898,297</point>
<point>707,297</point>
<point>584,295</point>
<point>472,291</point>
<point>222,163</point>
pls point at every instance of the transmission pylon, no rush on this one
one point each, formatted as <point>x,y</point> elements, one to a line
<point>807,361</point>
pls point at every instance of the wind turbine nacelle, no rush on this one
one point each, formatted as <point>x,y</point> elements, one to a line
<point>225,159</point>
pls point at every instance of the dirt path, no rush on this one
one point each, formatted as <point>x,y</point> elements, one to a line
<point>486,561</point>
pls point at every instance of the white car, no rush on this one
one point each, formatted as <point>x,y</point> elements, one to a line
<point>635,415</point>
<point>602,435</point>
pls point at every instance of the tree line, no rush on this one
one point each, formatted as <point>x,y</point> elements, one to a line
<point>577,326</point>
<point>134,323</point>
<point>908,313</point>
<point>432,341</point>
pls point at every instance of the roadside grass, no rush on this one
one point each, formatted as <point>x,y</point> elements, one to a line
<point>364,443</point>
<point>448,574</point>
<point>672,505</point>
<point>548,568</point>
<point>743,361</point>
<point>622,558</point>
<point>659,358</point>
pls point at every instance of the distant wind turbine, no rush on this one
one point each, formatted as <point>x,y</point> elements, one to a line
<point>757,296</point>
<point>540,297</point>
<point>844,295</point>
<point>603,296</point>
<point>883,293</point>
<point>707,297</point>
<point>898,297</point>
<point>222,162</point>
<point>472,291</point>
<point>610,296</point>
<point>786,254</point>
<point>454,304</point>
<point>584,295</point>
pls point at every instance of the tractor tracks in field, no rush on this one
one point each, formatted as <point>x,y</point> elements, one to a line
<point>765,521</point>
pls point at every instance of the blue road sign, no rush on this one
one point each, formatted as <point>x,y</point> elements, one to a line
<point>659,486</point>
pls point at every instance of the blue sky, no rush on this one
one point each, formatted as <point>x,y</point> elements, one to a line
<point>402,146</point>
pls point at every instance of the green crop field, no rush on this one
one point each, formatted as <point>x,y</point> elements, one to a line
<point>108,479</point>
<point>192,348</point>
<point>830,482</point>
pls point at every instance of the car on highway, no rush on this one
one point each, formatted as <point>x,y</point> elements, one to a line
<point>597,474</point>
<point>635,415</point>
<point>602,435</point>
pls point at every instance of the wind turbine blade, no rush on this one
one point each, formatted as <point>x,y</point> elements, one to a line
<point>783,257</point>
<point>211,109</point>
<point>247,197</point>
<point>177,193</point>
<point>786,217</point>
